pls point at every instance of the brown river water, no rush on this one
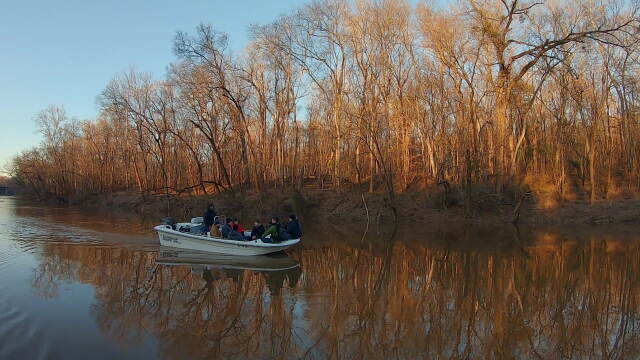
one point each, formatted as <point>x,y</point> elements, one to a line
<point>77,285</point>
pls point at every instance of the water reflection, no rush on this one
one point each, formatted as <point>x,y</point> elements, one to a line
<point>541,296</point>
<point>279,261</point>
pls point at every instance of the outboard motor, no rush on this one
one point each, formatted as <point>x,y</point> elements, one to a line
<point>169,221</point>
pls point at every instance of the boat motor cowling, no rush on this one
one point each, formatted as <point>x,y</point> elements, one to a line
<point>169,221</point>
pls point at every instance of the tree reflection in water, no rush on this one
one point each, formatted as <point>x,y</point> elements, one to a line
<point>545,297</point>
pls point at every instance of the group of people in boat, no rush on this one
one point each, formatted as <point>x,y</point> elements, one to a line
<point>233,230</point>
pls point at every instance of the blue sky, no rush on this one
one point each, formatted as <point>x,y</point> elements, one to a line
<point>64,52</point>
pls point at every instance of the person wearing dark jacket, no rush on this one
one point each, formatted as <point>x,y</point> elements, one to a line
<point>273,231</point>
<point>227,228</point>
<point>209,217</point>
<point>257,231</point>
<point>228,232</point>
<point>293,227</point>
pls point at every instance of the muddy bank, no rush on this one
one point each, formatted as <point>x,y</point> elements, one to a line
<point>343,207</point>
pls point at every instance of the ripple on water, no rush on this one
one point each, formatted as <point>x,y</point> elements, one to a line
<point>32,230</point>
<point>20,333</point>
<point>8,252</point>
<point>25,236</point>
<point>5,257</point>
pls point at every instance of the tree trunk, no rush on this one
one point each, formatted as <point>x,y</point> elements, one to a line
<point>502,113</point>
<point>592,171</point>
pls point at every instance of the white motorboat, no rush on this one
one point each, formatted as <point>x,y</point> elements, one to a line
<point>189,236</point>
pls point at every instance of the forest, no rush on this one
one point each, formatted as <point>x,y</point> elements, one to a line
<point>379,96</point>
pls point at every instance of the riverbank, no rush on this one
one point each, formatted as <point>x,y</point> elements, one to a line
<point>352,207</point>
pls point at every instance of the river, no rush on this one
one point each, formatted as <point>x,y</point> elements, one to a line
<point>80,285</point>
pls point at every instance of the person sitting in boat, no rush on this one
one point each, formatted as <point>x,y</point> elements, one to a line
<point>293,227</point>
<point>273,231</point>
<point>215,231</point>
<point>228,232</point>
<point>227,228</point>
<point>209,217</point>
<point>257,231</point>
<point>237,226</point>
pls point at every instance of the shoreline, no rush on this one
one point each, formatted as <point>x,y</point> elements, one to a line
<point>343,207</point>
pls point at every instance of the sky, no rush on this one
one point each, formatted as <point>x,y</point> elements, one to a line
<point>64,52</point>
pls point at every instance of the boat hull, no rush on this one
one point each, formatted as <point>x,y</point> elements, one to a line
<point>172,238</point>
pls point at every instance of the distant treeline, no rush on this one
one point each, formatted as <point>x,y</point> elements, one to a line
<point>376,93</point>
<point>7,186</point>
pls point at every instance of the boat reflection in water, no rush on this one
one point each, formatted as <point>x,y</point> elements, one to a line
<point>276,268</point>
<point>273,262</point>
